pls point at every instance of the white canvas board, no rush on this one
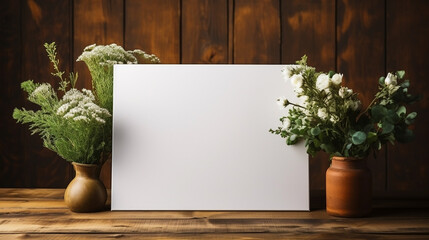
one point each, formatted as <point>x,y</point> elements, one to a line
<point>195,137</point>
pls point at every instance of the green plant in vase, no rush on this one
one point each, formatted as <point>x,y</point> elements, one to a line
<point>77,124</point>
<point>329,117</point>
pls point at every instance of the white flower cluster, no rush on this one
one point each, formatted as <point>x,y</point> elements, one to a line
<point>336,99</point>
<point>295,79</point>
<point>44,89</point>
<point>80,106</point>
<point>109,55</point>
<point>323,81</point>
<point>105,55</point>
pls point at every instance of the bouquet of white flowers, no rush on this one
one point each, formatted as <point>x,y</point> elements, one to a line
<point>329,116</point>
<point>78,126</point>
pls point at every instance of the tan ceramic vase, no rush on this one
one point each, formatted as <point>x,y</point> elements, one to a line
<point>348,187</point>
<point>86,193</point>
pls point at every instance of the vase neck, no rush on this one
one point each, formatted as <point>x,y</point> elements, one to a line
<point>348,163</point>
<point>87,170</point>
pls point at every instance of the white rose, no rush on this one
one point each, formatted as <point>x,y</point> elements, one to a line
<point>390,79</point>
<point>296,80</point>
<point>286,124</point>
<point>345,92</point>
<point>322,81</point>
<point>322,113</point>
<point>337,78</point>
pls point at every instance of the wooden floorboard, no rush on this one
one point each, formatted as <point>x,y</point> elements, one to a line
<point>42,214</point>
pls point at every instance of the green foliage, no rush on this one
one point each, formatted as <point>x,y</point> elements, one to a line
<point>72,126</point>
<point>100,60</point>
<point>329,116</point>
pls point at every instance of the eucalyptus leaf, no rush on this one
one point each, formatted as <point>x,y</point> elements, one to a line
<point>400,74</point>
<point>410,118</point>
<point>401,111</point>
<point>405,84</point>
<point>315,131</point>
<point>358,137</point>
<point>381,81</point>
<point>387,127</point>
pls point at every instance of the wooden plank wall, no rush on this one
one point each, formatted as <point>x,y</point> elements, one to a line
<point>362,39</point>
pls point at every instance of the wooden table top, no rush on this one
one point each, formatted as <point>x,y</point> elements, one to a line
<point>42,214</point>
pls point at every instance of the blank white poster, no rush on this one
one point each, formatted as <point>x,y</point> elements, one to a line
<point>195,137</point>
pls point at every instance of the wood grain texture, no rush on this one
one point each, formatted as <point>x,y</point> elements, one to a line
<point>256,31</point>
<point>361,58</point>
<point>100,22</point>
<point>240,236</point>
<point>407,49</point>
<point>96,21</point>
<point>154,27</point>
<point>308,28</point>
<point>44,21</point>
<point>36,214</point>
<point>11,159</point>
<point>204,31</point>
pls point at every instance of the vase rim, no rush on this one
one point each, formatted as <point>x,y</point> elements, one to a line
<point>85,164</point>
<point>339,158</point>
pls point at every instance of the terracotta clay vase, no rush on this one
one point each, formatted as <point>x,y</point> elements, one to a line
<point>348,187</point>
<point>86,193</point>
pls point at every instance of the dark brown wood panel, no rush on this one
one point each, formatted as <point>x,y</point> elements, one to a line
<point>44,21</point>
<point>100,22</point>
<point>154,27</point>
<point>257,31</point>
<point>96,21</point>
<point>408,49</point>
<point>204,31</point>
<point>361,58</point>
<point>308,28</point>
<point>11,145</point>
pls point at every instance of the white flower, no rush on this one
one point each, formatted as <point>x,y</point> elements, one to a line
<point>337,79</point>
<point>282,102</point>
<point>296,80</point>
<point>287,71</point>
<point>345,92</point>
<point>334,119</point>
<point>79,106</point>
<point>322,82</point>
<point>43,90</point>
<point>286,124</point>
<point>63,108</point>
<point>322,113</point>
<point>390,80</point>
<point>81,118</point>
